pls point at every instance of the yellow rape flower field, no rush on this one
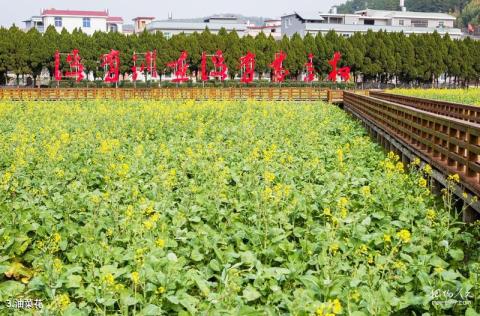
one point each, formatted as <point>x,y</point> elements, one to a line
<point>469,96</point>
<point>220,208</point>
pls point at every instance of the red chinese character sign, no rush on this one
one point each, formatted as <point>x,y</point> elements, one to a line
<point>220,70</point>
<point>220,67</point>
<point>111,66</point>
<point>247,67</point>
<point>203,65</point>
<point>310,69</point>
<point>180,68</point>
<point>344,72</point>
<point>76,67</point>
<point>148,64</point>
<point>279,72</point>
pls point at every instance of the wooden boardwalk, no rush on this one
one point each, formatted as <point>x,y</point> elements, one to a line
<point>442,134</point>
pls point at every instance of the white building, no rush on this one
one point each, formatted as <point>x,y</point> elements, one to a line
<point>375,20</point>
<point>88,21</point>
<point>141,22</point>
<point>214,24</point>
<point>271,27</point>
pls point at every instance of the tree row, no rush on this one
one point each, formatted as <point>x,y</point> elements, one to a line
<point>373,57</point>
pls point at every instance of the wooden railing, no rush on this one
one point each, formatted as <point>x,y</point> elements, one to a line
<point>464,112</point>
<point>449,144</point>
<point>283,94</point>
<point>267,93</point>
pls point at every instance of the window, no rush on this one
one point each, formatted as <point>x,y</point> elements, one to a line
<point>441,24</point>
<point>58,21</point>
<point>336,20</point>
<point>86,22</point>
<point>369,22</point>
<point>401,22</point>
<point>274,30</point>
<point>419,23</point>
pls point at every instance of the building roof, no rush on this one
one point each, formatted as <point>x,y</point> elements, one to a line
<point>193,26</point>
<point>223,17</point>
<point>261,27</point>
<point>117,19</point>
<point>144,18</point>
<point>55,12</point>
<point>35,18</point>
<point>407,14</point>
<point>307,15</point>
<point>319,27</point>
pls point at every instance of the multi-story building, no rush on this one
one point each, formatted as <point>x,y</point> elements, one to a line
<point>88,21</point>
<point>375,20</point>
<point>271,27</point>
<point>214,24</point>
<point>141,22</point>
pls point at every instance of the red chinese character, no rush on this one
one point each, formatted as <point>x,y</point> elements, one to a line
<point>151,60</point>
<point>149,65</point>
<point>76,67</point>
<point>204,67</point>
<point>344,72</point>
<point>58,73</point>
<point>247,66</point>
<point>221,68</point>
<point>134,68</point>
<point>310,69</point>
<point>180,67</point>
<point>111,64</point>
<point>279,72</point>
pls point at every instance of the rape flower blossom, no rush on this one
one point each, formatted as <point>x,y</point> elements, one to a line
<point>404,235</point>
<point>422,183</point>
<point>135,276</point>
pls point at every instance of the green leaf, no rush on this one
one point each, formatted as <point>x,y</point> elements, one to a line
<point>471,312</point>
<point>72,311</point>
<point>196,255</point>
<point>450,275</point>
<point>127,299</point>
<point>73,281</point>
<point>214,265</point>
<point>251,294</point>
<point>189,302</point>
<point>456,254</point>
<point>9,289</point>
<point>202,285</point>
<point>151,310</point>
<point>358,313</point>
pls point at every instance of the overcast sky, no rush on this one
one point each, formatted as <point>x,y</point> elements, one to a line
<point>15,11</point>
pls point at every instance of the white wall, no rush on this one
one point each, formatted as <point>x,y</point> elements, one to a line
<point>291,25</point>
<point>70,23</point>
<point>351,19</point>
<point>435,23</point>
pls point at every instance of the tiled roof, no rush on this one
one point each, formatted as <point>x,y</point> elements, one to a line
<point>115,19</point>
<point>75,13</point>
<point>144,18</point>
